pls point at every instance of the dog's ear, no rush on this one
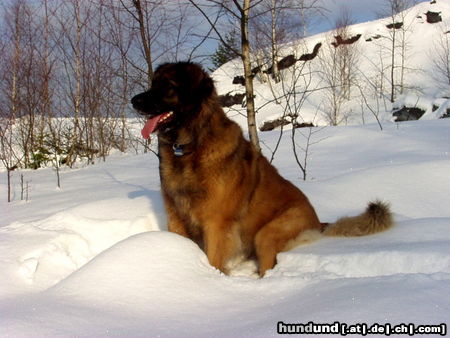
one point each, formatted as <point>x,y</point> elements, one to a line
<point>206,86</point>
<point>200,82</point>
<point>195,85</point>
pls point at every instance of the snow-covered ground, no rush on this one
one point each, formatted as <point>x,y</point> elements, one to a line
<point>94,259</point>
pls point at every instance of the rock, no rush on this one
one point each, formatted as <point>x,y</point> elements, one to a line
<point>310,56</point>
<point>286,62</point>
<point>408,114</point>
<point>239,80</point>
<point>395,25</point>
<point>229,100</point>
<point>271,125</point>
<point>303,125</point>
<point>433,17</point>
<point>341,41</point>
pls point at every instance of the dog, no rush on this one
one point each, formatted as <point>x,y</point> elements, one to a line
<point>218,190</point>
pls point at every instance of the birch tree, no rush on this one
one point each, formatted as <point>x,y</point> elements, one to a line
<point>239,13</point>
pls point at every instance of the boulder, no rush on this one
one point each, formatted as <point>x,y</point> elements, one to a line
<point>395,25</point>
<point>229,100</point>
<point>239,80</point>
<point>408,114</point>
<point>433,17</point>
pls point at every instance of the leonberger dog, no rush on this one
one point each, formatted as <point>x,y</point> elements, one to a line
<point>218,190</point>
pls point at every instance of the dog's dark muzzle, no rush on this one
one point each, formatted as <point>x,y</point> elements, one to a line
<point>148,104</point>
<point>140,103</point>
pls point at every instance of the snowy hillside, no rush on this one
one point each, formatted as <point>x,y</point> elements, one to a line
<point>91,259</point>
<point>418,45</point>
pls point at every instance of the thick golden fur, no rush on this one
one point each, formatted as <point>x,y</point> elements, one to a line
<point>376,218</point>
<point>221,192</point>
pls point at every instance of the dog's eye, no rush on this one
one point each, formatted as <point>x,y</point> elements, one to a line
<point>170,85</point>
<point>170,89</point>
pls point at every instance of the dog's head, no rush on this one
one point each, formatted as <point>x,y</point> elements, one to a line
<point>175,97</point>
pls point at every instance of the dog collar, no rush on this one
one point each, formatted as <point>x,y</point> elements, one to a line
<point>180,149</point>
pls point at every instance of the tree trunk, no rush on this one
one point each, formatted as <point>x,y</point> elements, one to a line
<point>275,70</point>
<point>251,114</point>
<point>8,173</point>
<point>148,55</point>
<point>393,65</point>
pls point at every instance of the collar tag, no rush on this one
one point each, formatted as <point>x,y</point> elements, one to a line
<point>177,150</point>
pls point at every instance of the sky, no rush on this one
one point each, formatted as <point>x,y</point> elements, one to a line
<point>360,10</point>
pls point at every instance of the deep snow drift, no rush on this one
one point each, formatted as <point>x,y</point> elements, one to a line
<point>94,259</point>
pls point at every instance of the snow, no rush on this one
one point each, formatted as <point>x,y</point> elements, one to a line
<point>95,259</point>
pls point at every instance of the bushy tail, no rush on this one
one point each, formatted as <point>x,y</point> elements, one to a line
<point>376,218</point>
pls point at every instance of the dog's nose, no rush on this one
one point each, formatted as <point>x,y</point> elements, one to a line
<point>137,100</point>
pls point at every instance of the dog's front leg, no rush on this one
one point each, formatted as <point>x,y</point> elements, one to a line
<point>174,221</point>
<point>175,224</point>
<point>221,242</point>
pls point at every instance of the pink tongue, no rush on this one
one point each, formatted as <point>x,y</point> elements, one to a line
<point>150,126</point>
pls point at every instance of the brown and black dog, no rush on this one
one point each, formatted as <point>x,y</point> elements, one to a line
<point>217,189</point>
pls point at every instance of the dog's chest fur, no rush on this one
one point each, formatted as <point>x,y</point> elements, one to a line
<point>180,180</point>
<point>201,182</point>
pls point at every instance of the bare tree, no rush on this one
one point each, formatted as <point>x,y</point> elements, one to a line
<point>141,12</point>
<point>268,32</point>
<point>441,59</point>
<point>244,12</point>
<point>160,31</point>
<point>71,50</point>
<point>9,104</point>
<point>165,31</point>
<point>296,86</point>
<point>121,40</point>
<point>398,29</point>
<point>21,85</point>
<point>338,68</point>
<point>296,91</point>
<point>90,75</point>
<point>372,105</point>
<point>8,156</point>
